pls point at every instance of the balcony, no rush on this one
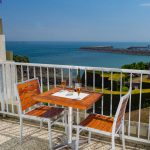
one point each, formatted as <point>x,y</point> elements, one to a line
<point>37,139</point>
<point>113,82</point>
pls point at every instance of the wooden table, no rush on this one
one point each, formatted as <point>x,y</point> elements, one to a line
<point>83,104</point>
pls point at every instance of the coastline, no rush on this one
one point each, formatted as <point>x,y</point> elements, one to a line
<point>117,50</point>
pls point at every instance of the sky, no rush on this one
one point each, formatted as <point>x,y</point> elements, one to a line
<point>76,20</point>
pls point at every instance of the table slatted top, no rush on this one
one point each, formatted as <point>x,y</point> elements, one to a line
<point>83,104</point>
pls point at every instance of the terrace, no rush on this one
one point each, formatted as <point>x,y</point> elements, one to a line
<point>110,81</point>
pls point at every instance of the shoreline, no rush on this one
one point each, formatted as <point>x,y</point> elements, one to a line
<point>117,51</point>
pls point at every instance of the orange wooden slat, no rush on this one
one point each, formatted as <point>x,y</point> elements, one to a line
<point>83,104</point>
<point>46,112</point>
<point>27,91</point>
<point>98,122</point>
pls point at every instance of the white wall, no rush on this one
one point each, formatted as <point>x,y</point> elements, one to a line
<point>2,58</point>
<point>2,48</point>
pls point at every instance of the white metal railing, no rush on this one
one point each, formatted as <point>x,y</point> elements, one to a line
<point>51,75</point>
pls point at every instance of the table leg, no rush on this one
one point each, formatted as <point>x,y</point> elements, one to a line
<point>68,141</point>
<point>70,125</point>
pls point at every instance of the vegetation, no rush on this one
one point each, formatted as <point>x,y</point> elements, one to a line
<point>140,66</point>
<point>18,58</point>
<point>125,88</point>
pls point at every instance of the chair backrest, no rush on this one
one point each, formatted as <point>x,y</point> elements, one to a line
<point>25,91</point>
<point>119,116</point>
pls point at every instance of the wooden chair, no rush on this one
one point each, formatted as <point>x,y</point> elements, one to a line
<point>106,125</point>
<point>25,91</point>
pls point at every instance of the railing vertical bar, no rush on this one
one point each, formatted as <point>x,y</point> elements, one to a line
<point>41,79</point>
<point>77,71</point>
<point>85,111</point>
<point>34,72</point>
<point>22,73</point>
<point>129,125</point>
<point>54,77</point>
<point>16,81</point>
<point>48,82</point>
<point>139,122</point>
<point>7,101</point>
<point>120,84</point>
<point>62,74</point>
<point>12,69</point>
<point>28,73</point>
<point>102,101</point>
<point>111,94</point>
<point>94,89</point>
<point>85,79</point>
<point>93,80</point>
<point>69,77</point>
<point>5,88</point>
<point>16,74</point>
<point>47,78</point>
<point>62,78</point>
<point>149,125</point>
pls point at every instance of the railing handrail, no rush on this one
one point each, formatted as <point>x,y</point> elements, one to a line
<point>80,67</point>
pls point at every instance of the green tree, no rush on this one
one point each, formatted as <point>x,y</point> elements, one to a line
<point>18,58</point>
<point>139,66</point>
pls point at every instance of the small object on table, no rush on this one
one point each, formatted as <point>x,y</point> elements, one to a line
<point>63,84</point>
<point>78,91</point>
<point>76,86</point>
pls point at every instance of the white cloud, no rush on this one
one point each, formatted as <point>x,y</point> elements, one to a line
<point>145,4</point>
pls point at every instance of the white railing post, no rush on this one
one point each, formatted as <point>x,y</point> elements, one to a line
<point>102,101</point>
<point>129,123</point>
<point>2,59</point>
<point>7,80</point>
<point>85,79</point>
<point>94,89</point>
<point>1,89</point>
<point>111,96</point>
<point>140,99</point>
<point>120,84</point>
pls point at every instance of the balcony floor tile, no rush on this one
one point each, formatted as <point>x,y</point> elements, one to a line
<point>36,139</point>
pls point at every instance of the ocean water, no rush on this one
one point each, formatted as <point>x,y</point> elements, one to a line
<point>69,53</point>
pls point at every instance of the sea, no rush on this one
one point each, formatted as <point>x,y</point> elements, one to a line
<point>69,53</point>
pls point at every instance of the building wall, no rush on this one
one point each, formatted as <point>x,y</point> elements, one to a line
<point>2,48</point>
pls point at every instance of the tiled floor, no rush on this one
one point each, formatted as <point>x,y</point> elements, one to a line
<point>36,139</point>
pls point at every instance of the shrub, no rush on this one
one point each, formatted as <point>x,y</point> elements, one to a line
<point>18,58</point>
<point>125,88</point>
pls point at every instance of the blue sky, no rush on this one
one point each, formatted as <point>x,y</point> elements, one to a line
<point>76,20</point>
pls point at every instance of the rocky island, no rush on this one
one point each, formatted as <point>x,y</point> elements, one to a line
<point>110,49</point>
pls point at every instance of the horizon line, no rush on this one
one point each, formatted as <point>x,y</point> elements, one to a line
<point>72,41</point>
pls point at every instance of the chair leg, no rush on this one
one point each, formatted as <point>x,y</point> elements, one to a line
<point>65,119</point>
<point>50,135</point>
<point>89,137</point>
<point>123,139</point>
<point>77,139</point>
<point>113,142</point>
<point>120,133</point>
<point>41,124</point>
<point>21,129</point>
